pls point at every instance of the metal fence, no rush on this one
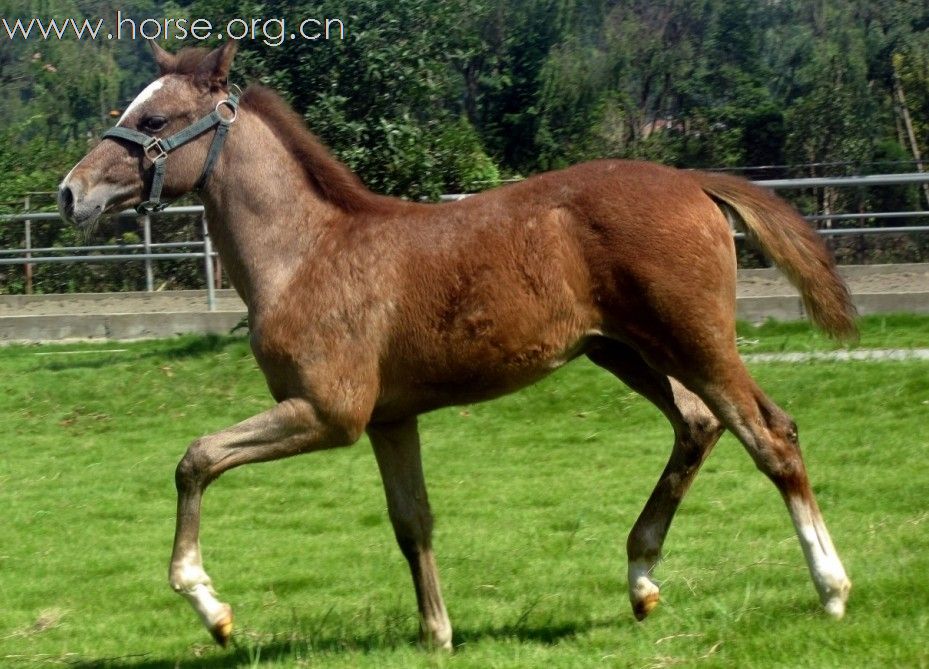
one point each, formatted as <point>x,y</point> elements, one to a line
<point>149,252</point>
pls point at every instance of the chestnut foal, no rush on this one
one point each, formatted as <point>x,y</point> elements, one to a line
<point>365,311</point>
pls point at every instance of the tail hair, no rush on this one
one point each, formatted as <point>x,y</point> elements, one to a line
<point>789,241</point>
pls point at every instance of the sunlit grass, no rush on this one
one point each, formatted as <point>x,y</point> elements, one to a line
<point>533,493</point>
<point>884,331</point>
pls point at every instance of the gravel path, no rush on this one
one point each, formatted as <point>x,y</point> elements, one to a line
<point>876,354</point>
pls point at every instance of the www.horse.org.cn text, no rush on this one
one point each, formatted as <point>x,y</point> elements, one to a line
<point>269,31</point>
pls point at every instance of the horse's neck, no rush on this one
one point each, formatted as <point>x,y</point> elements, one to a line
<point>263,216</point>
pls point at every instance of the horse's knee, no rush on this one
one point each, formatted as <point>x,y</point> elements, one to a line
<point>194,468</point>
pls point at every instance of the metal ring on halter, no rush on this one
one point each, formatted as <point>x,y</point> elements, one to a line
<point>232,106</point>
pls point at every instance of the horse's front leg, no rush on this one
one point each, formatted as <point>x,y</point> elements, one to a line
<point>293,426</point>
<point>396,447</point>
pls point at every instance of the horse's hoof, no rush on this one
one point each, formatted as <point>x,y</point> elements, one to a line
<point>834,601</point>
<point>435,645</point>
<point>643,607</point>
<point>439,639</point>
<point>222,629</point>
<point>835,607</point>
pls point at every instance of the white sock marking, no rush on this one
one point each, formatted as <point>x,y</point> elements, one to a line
<point>641,584</point>
<point>824,563</point>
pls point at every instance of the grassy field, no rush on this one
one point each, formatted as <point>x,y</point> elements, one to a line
<point>891,331</point>
<point>533,494</point>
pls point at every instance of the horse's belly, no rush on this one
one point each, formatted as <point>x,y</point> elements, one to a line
<point>470,366</point>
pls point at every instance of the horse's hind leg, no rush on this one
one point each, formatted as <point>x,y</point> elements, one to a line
<point>396,447</point>
<point>770,436</point>
<point>696,430</point>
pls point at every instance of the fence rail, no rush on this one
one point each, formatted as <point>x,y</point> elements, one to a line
<point>148,252</point>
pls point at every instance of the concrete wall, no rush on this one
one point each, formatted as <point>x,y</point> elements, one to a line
<point>114,316</point>
<point>73,327</point>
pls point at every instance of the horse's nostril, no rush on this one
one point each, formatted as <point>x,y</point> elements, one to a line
<point>66,201</point>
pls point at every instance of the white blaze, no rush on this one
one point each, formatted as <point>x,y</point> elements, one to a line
<point>141,98</point>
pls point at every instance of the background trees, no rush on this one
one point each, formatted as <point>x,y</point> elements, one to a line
<point>424,96</point>
<point>430,96</point>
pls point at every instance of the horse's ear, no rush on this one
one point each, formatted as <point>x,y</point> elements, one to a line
<point>213,70</point>
<point>165,60</point>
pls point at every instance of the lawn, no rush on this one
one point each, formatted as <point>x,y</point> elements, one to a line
<point>533,493</point>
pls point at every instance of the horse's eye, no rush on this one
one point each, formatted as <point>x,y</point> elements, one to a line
<point>153,123</point>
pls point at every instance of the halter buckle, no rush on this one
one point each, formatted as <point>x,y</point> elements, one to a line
<point>154,145</point>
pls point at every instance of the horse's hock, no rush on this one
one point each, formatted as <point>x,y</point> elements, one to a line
<point>762,294</point>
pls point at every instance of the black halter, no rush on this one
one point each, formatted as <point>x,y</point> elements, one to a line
<point>157,149</point>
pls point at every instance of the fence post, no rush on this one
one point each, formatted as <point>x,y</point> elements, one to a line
<point>147,240</point>
<point>208,265</point>
<point>27,224</point>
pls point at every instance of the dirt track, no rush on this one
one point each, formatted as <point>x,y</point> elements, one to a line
<point>752,283</point>
<point>860,279</point>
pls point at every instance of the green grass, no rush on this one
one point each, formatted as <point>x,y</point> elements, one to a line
<point>884,331</point>
<point>534,494</point>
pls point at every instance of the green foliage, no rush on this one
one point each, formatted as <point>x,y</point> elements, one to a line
<point>542,84</point>
<point>30,163</point>
<point>422,97</point>
<point>912,65</point>
<point>461,163</point>
<point>386,98</point>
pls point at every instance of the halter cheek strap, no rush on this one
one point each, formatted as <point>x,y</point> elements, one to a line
<point>157,149</point>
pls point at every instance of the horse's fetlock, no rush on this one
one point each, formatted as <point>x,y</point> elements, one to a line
<point>183,579</point>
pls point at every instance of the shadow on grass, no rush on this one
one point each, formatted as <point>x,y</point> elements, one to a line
<point>194,347</point>
<point>180,348</point>
<point>245,653</point>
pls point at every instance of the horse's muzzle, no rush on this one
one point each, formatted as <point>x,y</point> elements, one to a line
<point>83,209</point>
<point>66,202</point>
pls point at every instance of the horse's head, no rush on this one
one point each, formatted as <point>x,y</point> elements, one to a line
<point>122,170</point>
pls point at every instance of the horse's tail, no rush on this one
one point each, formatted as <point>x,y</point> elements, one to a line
<point>794,247</point>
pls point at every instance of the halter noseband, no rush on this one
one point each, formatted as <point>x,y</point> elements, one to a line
<point>157,149</point>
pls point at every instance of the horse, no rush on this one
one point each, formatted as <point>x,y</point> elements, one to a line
<point>365,311</point>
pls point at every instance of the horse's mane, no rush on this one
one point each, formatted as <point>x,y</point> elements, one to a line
<point>332,180</point>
